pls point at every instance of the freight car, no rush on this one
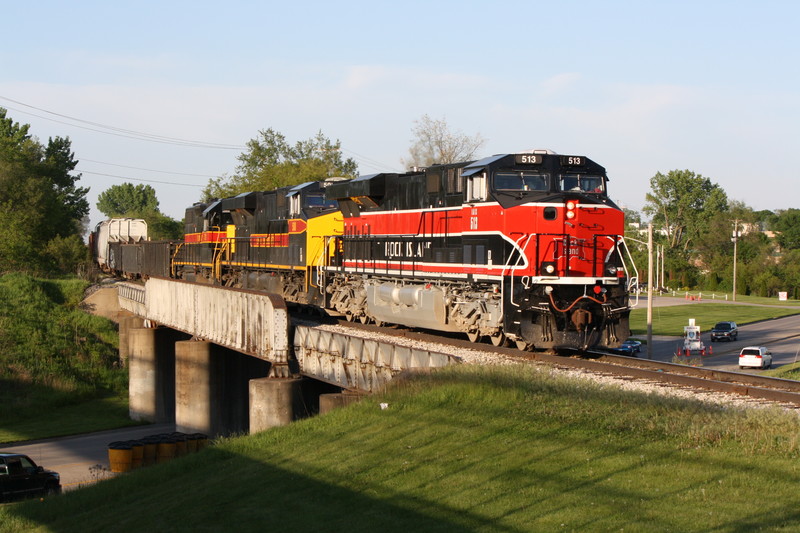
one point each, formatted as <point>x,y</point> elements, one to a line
<point>108,238</point>
<point>524,247</point>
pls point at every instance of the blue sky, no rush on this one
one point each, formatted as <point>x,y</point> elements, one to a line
<point>640,87</point>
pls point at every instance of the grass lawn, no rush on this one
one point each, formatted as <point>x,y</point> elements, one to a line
<point>727,298</point>
<point>72,419</point>
<point>509,449</point>
<point>790,371</point>
<point>59,368</point>
<point>670,320</point>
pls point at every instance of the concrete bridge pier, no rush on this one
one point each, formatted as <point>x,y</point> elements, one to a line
<point>151,362</point>
<point>276,402</point>
<point>211,388</point>
<point>127,321</point>
<point>329,402</point>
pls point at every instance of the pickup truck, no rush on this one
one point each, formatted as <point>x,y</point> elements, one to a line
<point>20,477</point>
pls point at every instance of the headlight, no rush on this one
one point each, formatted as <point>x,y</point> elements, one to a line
<point>549,268</point>
<point>612,270</point>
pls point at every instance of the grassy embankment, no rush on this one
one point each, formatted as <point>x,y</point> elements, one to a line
<point>58,364</point>
<point>670,320</point>
<point>508,449</point>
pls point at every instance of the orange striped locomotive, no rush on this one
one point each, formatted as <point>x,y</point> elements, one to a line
<point>526,247</point>
<point>271,241</point>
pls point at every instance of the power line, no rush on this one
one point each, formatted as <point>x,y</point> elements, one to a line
<point>139,179</point>
<point>162,139</point>
<point>148,169</point>
<point>122,132</point>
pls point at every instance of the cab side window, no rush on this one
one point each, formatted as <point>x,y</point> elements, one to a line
<point>27,465</point>
<point>15,467</point>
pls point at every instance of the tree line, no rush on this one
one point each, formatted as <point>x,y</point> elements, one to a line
<point>696,223</point>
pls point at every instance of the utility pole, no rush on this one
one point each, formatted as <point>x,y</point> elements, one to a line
<point>658,259</point>
<point>649,244</point>
<point>735,241</point>
<point>650,291</point>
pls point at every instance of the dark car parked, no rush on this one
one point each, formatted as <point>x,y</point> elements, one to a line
<point>630,348</point>
<point>20,477</point>
<point>725,331</point>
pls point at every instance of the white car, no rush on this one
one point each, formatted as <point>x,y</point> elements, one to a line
<point>755,357</point>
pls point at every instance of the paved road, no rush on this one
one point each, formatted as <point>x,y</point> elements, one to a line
<point>73,457</point>
<point>781,336</point>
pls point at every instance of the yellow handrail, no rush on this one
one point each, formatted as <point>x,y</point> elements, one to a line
<point>172,261</point>
<point>218,254</point>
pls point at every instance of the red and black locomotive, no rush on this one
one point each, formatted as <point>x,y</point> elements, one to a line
<point>526,247</point>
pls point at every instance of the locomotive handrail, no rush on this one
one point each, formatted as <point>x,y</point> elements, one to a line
<point>173,260</point>
<point>633,281</point>
<point>324,259</point>
<point>512,270</point>
<point>615,239</point>
<point>217,259</point>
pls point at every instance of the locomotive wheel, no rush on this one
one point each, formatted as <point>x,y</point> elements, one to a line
<point>473,336</point>
<point>498,339</point>
<point>525,346</point>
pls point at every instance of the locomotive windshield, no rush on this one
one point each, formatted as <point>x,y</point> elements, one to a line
<point>318,201</point>
<point>581,183</point>
<point>520,181</point>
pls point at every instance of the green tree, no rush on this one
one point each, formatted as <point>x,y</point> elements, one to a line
<point>71,204</point>
<point>139,201</point>
<point>160,227</point>
<point>681,205</point>
<point>789,272</point>
<point>271,162</point>
<point>39,198</point>
<point>786,225</point>
<point>127,200</point>
<point>435,143</point>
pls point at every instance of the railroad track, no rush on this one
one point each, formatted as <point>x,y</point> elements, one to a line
<point>782,391</point>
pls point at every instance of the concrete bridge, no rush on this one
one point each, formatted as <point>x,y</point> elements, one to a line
<point>223,361</point>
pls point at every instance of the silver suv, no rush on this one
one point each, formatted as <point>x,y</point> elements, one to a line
<point>727,331</point>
